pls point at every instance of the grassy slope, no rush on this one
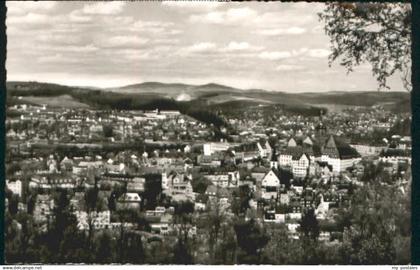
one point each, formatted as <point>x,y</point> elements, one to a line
<point>65,101</point>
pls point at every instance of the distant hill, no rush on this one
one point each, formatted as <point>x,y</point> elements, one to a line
<point>174,87</point>
<point>211,95</point>
<point>177,91</point>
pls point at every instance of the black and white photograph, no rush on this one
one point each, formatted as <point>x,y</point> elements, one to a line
<point>208,133</point>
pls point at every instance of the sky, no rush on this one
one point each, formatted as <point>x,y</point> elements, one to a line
<point>266,45</point>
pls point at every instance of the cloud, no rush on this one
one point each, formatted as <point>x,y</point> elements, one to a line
<point>130,54</point>
<point>318,53</point>
<point>24,7</point>
<point>154,27</point>
<point>145,24</point>
<point>91,43</point>
<point>104,8</point>
<point>30,19</point>
<point>211,17</point>
<point>175,32</point>
<point>47,49</point>
<point>34,20</point>
<point>166,41</point>
<point>284,19</point>
<point>58,38</point>
<point>127,25</point>
<point>240,13</point>
<point>89,48</point>
<point>241,46</point>
<point>232,15</point>
<point>57,58</point>
<point>238,46</point>
<point>192,5</point>
<point>141,56</point>
<point>201,47</point>
<point>301,5</point>
<point>289,68</point>
<point>77,16</point>
<point>232,49</point>
<point>317,29</point>
<point>290,21</point>
<point>121,41</point>
<point>300,51</point>
<point>282,31</point>
<point>275,55</point>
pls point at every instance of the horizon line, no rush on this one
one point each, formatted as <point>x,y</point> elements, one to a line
<point>209,83</point>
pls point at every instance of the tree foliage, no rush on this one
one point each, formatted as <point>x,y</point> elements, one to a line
<point>376,33</point>
<point>251,240</point>
<point>153,189</point>
<point>309,226</point>
<point>103,249</point>
<point>377,227</point>
<point>133,251</point>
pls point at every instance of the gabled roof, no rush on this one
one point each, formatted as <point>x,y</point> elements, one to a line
<point>276,174</point>
<point>67,160</point>
<point>130,197</point>
<point>348,152</point>
<point>336,147</point>
<point>307,140</point>
<point>298,157</point>
<point>331,142</point>
<point>307,146</point>
<point>291,143</point>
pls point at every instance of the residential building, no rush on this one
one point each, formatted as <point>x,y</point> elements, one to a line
<point>15,187</point>
<point>129,201</point>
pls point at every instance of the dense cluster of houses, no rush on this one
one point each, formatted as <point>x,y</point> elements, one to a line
<point>285,172</point>
<point>41,125</point>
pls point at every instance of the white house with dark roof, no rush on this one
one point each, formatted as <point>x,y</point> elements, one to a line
<point>300,165</point>
<point>339,155</point>
<point>129,200</point>
<point>300,158</point>
<point>270,185</point>
<point>264,149</point>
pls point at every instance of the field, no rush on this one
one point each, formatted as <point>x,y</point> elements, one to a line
<point>66,101</point>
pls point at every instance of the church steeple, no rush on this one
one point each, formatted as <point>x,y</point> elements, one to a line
<point>273,161</point>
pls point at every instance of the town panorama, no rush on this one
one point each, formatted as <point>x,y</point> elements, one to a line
<point>207,172</point>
